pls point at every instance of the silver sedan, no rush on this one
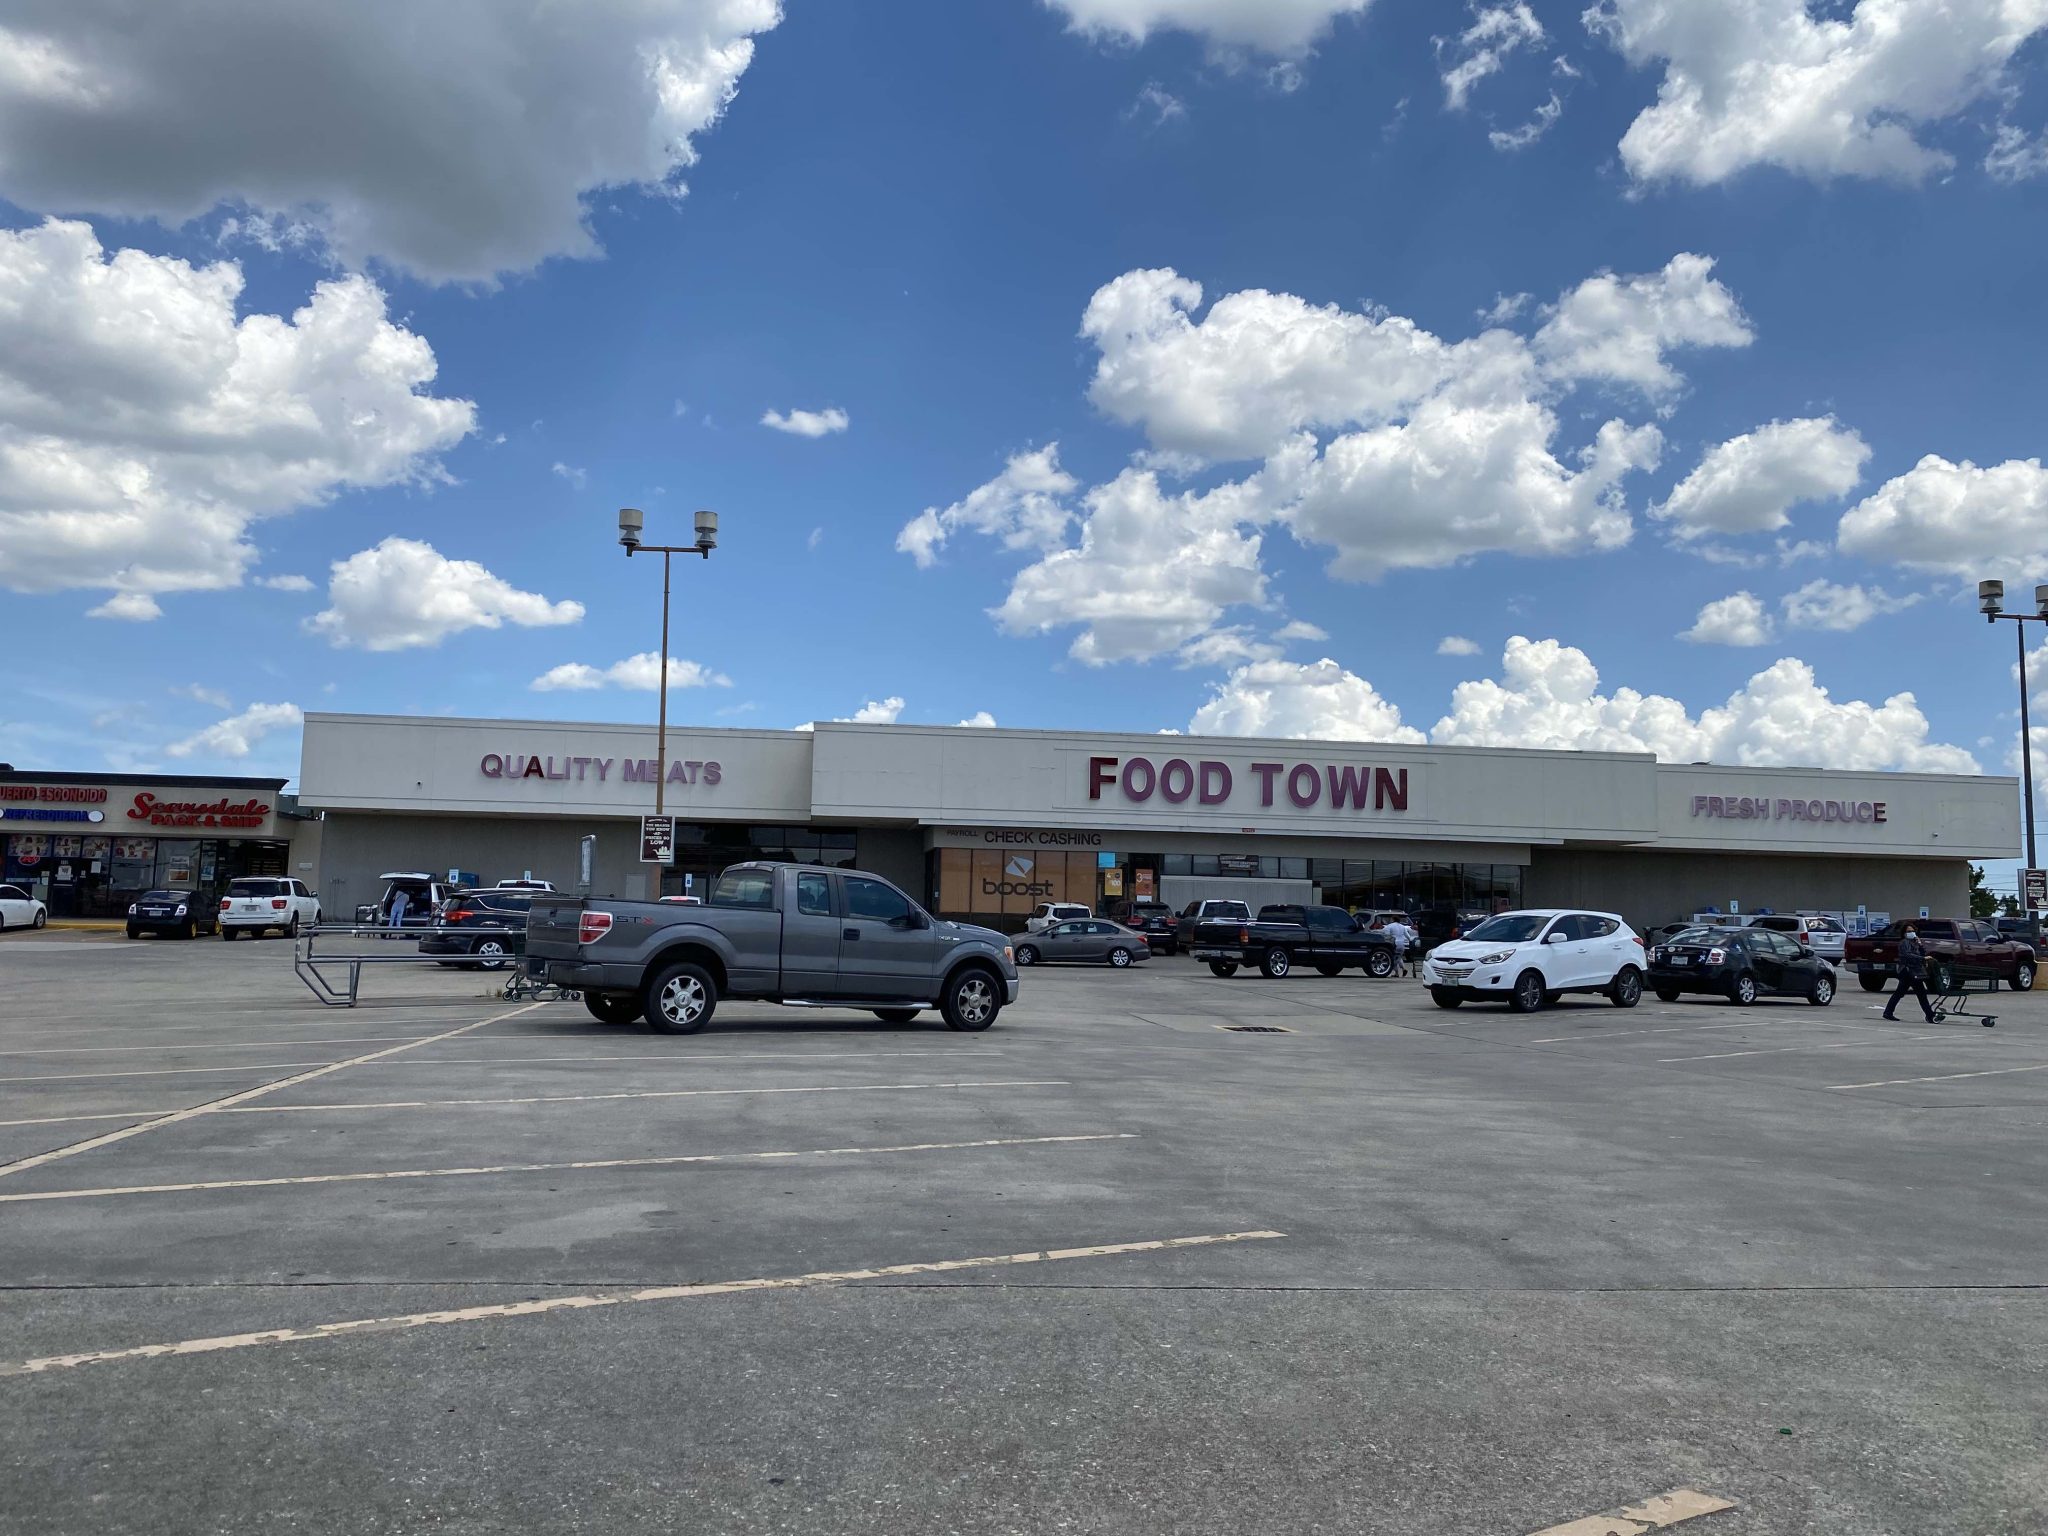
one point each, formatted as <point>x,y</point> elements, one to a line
<point>1093,939</point>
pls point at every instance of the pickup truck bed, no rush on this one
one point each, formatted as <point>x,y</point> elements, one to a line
<point>1328,938</point>
<point>1958,950</point>
<point>779,933</point>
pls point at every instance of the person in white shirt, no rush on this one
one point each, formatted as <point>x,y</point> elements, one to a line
<point>1404,939</point>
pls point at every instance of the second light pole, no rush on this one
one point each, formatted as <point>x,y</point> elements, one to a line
<point>1991,602</point>
<point>631,521</point>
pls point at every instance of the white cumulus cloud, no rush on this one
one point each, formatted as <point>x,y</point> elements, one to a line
<point>1618,329</point>
<point>1957,519</point>
<point>878,711</point>
<point>1738,619</point>
<point>134,607</point>
<point>457,139</point>
<point>1300,629</point>
<point>807,423</point>
<point>642,672</point>
<point>1285,28</point>
<point>1314,701</point>
<point>291,583</point>
<point>980,720</point>
<point>403,594</point>
<point>238,735</point>
<point>1023,507</point>
<point>1818,91</point>
<point>1457,645</point>
<point>1823,604</point>
<point>1548,696</point>
<point>144,424</point>
<point>1750,483</point>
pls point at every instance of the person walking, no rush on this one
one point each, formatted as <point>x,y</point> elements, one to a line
<point>1404,938</point>
<point>1912,966</point>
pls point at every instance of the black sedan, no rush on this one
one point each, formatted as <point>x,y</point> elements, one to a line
<point>486,928</point>
<point>171,914</point>
<point>1740,964</point>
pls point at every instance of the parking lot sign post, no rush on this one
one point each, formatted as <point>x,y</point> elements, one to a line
<point>657,839</point>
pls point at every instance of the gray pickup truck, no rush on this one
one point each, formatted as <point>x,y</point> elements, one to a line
<point>778,933</point>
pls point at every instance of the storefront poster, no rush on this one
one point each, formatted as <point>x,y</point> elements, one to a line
<point>1113,882</point>
<point>1142,883</point>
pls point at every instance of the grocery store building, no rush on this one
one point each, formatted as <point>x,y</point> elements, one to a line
<point>984,824</point>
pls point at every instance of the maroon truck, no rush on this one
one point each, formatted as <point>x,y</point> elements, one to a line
<point>1958,949</point>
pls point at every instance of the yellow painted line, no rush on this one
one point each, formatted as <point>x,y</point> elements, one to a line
<point>225,1045</point>
<point>656,1093</point>
<point>21,1164</point>
<point>86,1077</point>
<point>613,1162</point>
<point>1652,1514</point>
<point>614,1299</point>
<point>1946,1077</point>
<point>1779,1050</point>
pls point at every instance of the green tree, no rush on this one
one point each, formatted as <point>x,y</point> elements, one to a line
<point>2009,906</point>
<point>1982,902</point>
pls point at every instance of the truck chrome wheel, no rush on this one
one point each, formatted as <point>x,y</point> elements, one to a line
<point>680,1000</point>
<point>1276,964</point>
<point>971,1002</point>
<point>1379,963</point>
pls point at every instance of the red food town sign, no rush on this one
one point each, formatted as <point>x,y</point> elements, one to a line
<point>1307,786</point>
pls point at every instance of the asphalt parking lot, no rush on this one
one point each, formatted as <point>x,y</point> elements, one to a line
<point>448,1263</point>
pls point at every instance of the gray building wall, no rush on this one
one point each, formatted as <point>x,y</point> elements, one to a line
<point>896,854</point>
<point>356,849</point>
<point>1663,886</point>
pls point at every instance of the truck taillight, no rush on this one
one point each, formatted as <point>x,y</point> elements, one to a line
<point>277,903</point>
<point>223,903</point>
<point>592,926</point>
<point>1244,935</point>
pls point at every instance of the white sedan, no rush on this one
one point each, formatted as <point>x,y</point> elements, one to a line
<point>1529,959</point>
<point>18,909</point>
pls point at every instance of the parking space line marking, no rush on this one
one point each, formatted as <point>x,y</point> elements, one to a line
<point>615,1298</point>
<point>1778,1050</point>
<point>1946,1077</point>
<point>682,1058</point>
<point>130,1114</point>
<point>215,1106</point>
<point>653,1093</point>
<point>610,1162</point>
<point>82,1077</point>
<point>1653,1514</point>
<point>1764,1021</point>
<point>225,1045</point>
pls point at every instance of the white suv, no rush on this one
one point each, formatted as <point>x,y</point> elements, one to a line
<point>1046,913</point>
<point>1528,959</point>
<point>258,903</point>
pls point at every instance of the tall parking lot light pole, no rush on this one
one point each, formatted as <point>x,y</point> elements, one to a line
<point>1991,599</point>
<point>631,521</point>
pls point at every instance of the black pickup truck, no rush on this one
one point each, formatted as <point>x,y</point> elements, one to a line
<point>1328,938</point>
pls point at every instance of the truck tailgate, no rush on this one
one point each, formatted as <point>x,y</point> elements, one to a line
<point>551,927</point>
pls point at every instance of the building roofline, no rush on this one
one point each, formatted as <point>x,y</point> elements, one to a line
<point>146,780</point>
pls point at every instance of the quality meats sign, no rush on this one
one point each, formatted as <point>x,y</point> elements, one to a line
<point>197,813</point>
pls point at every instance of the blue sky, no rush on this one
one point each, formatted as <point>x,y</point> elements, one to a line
<point>902,214</point>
